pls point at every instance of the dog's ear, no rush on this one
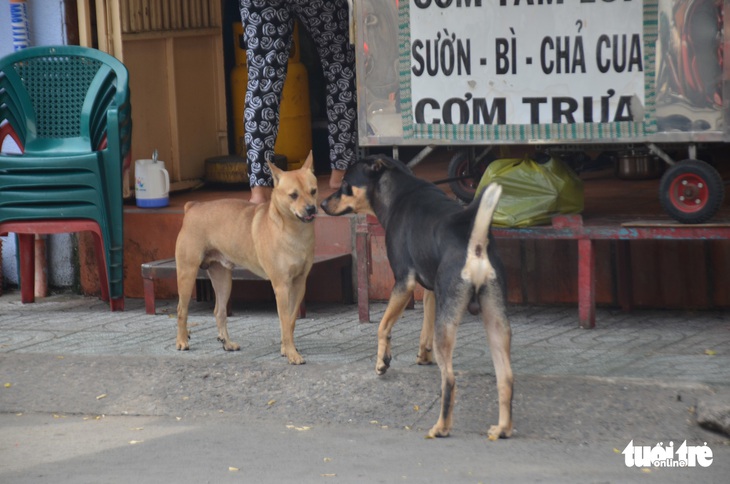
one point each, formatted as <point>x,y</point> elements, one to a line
<point>309,162</point>
<point>275,172</point>
<point>378,164</point>
<point>382,163</point>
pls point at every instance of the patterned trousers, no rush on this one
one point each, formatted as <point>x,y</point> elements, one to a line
<point>267,32</point>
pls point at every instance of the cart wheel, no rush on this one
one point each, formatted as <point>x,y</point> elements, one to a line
<point>466,174</point>
<point>691,191</point>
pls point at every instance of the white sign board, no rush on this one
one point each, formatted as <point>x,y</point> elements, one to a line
<point>526,62</point>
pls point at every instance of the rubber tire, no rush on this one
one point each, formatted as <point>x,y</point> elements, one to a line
<point>458,166</point>
<point>705,183</point>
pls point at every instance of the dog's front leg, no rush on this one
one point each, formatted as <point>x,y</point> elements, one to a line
<point>425,347</point>
<point>289,296</point>
<point>220,277</point>
<point>399,299</point>
<point>499,334</point>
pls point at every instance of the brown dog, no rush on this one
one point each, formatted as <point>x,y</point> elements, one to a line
<point>274,240</point>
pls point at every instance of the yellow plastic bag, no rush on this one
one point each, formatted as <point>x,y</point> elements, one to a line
<point>532,192</point>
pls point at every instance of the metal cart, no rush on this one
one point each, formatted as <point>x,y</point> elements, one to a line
<point>644,79</point>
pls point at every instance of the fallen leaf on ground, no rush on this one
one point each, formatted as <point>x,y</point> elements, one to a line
<point>710,352</point>
<point>300,429</point>
<point>8,385</point>
<point>234,469</point>
<point>103,395</point>
<point>133,442</point>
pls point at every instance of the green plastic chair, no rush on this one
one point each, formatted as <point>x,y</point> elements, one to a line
<point>67,109</point>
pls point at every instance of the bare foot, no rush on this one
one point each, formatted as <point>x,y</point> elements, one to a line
<point>260,194</point>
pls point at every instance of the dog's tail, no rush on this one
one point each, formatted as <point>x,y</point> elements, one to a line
<point>478,270</point>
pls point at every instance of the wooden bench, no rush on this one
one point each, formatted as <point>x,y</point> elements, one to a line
<point>564,227</point>
<point>166,269</point>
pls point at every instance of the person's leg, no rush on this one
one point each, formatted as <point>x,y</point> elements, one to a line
<point>327,23</point>
<point>267,33</point>
<point>336,177</point>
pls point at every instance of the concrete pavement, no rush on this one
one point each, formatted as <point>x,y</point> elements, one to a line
<point>76,378</point>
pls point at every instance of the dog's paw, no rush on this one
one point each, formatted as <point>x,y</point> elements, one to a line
<point>382,366</point>
<point>295,359</point>
<point>182,345</point>
<point>230,345</point>
<point>292,355</point>
<point>437,432</point>
<point>425,357</point>
<point>497,432</point>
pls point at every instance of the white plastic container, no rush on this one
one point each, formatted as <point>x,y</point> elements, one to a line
<point>151,183</point>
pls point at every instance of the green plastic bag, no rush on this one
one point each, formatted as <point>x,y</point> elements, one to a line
<point>532,192</point>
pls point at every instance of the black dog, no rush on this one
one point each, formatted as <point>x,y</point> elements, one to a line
<point>432,240</point>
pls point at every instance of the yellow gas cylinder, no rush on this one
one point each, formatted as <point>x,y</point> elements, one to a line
<point>295,124</point>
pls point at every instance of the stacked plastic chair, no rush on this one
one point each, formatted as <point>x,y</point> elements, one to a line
<point>67,109</point>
